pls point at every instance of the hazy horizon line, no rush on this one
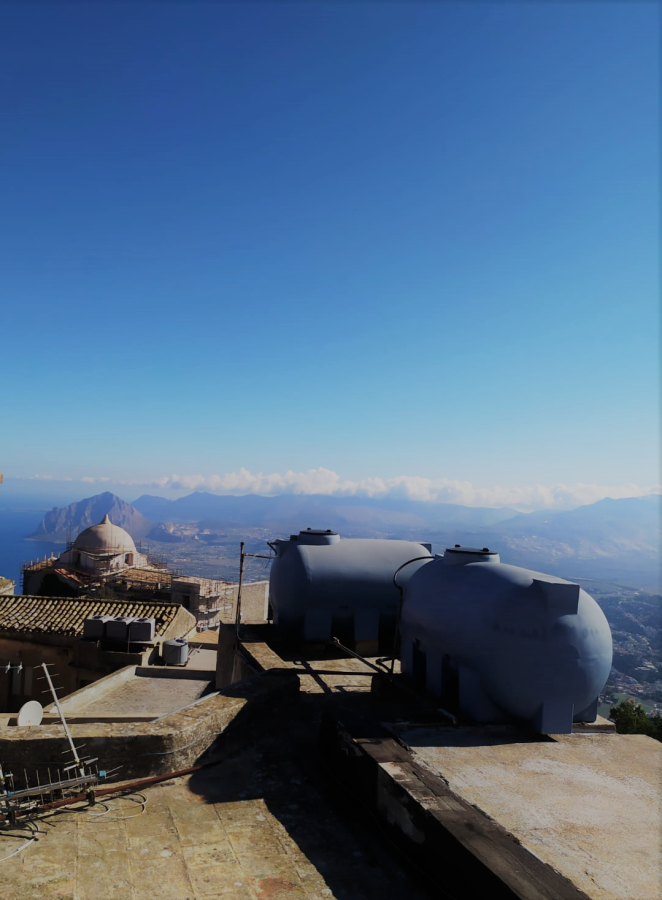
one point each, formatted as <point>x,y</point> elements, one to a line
<point>325,482</point>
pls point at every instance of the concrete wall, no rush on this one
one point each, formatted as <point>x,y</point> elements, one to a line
<point>254,601</point>
<point>150,748</point>
<point>16,688</point>
<point>72,664</point>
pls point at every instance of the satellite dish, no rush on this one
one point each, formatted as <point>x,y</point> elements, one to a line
<point>31,713</point>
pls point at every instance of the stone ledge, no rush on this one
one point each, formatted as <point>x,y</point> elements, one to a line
<point>149,748</point>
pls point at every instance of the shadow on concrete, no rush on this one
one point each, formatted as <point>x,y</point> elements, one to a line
<point>275,757</point>
<point>431,735</point>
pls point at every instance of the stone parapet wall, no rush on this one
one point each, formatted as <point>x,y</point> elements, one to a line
<point>146,748</point>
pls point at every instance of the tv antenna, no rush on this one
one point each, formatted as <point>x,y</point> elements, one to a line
<point>79,777</point>
<point>78,762</point>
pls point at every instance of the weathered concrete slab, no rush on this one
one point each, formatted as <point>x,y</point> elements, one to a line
<point>590,805</point>
<point>446,833</point>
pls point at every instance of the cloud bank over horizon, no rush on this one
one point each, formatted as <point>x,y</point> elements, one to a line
<point>407,487</point>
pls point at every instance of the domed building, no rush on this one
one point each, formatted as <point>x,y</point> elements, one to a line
<point>104,561</point>
<point>103,554</point>
<point>104,549</point>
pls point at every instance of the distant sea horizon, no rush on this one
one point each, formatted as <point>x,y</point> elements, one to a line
<point>15,525</point>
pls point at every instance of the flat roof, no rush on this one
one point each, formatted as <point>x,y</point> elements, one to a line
<point>256,826</point>
<point>139,691</point>
<point>589,805</point>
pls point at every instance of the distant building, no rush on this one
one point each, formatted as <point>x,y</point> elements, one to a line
<point>6,587</point>
<point>104,554</point>
<point>104,561</point>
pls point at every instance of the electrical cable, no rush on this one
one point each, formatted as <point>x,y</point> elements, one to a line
<point>30,840</point>
<point>142,802</point>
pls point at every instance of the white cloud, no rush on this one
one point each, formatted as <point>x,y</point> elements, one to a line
<point>412,487</point>
<point>440,490</point>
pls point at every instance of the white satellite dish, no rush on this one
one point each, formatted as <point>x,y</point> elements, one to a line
<point>31,713</point>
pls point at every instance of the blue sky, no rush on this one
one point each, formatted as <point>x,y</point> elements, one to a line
<point>372,239</point>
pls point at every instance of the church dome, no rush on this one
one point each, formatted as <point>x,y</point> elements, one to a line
<point>105,538</point>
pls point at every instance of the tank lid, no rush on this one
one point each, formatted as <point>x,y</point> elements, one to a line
<point>318,536</point>
<point>458,555</point>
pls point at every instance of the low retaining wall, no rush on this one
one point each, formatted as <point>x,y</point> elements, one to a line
<point>145,748</point>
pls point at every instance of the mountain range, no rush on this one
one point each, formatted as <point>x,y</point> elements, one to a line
<point>63,524</point>
<point>289,510</point>
<point>611,540</point>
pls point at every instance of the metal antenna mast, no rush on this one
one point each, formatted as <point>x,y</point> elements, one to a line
<point>77,760</point>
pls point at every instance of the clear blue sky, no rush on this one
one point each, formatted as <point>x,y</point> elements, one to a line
<point>384,239</point>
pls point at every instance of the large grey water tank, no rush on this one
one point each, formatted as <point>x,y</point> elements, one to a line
<point>175,652</point>
<point>323,586</point>
<point>500,643</point>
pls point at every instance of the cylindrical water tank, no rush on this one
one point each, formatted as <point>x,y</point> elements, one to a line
<point>498,642</point>
<point>175,652</point>
<point>322,586</point>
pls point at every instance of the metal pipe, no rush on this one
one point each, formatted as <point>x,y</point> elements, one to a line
<point>402,597</point>
<point>237,617</point>
<point>334,642</point>
<point>188,706</point>
<point>115,789</point>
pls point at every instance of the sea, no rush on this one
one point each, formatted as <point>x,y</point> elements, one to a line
<point>15,526</point>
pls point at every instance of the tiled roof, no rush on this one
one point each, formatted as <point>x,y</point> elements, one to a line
<point>65,615</point>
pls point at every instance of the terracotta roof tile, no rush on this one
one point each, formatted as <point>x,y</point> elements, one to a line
<point>65,615</point>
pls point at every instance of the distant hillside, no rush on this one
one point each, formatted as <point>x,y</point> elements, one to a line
<point>612,540</point>
<point>288,511</point>
<point>631,523</point>
<point>60,525</point>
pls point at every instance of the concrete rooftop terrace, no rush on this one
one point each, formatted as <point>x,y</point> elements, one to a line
<point>138,691</point>
<point>280,813</point>
<point>264,822</point>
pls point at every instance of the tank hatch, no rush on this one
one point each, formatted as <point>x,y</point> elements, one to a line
<point>318,536</point>
<point>459,555</point>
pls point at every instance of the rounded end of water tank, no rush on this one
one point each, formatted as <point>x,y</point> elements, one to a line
<point>459,556</point>
<point>316,536</point>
